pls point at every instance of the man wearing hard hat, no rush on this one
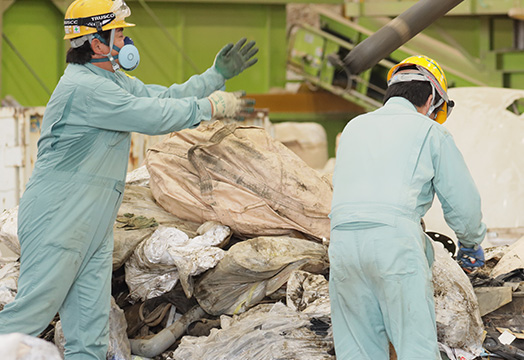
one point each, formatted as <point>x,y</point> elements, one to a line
<point>390,163</point>
<point>67,212</point>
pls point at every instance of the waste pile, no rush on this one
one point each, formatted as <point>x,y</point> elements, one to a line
<point>221,253</point>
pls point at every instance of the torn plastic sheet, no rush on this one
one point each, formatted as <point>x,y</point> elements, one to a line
<point>459,324</point>
<point>8,282</point>
<point>16,346</point>
<point>267,331</point>
<point>119,347</point>
<point>255,268</point>
<point>169,255</point>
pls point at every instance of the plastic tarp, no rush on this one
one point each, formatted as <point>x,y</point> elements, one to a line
<point>459,324</point>
<point>170,255</point>
<point>265,332</point>
<point>241,177</point>
<point>119,347</point>
<point>18,346</point>
<point>255,268</point>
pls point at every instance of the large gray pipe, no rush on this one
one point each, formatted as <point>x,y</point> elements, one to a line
<point>396,33</point>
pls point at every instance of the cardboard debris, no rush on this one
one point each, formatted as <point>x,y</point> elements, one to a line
<point>492,298</point>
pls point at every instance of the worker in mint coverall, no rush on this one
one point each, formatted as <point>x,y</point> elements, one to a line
<point>67,211</point>
<point>390,163</point>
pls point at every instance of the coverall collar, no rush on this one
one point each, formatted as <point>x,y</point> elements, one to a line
<point>400,101</point>
<point>99,71</point>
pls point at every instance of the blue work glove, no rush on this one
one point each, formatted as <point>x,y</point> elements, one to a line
<point>470,258</point>
<point>233,59</point>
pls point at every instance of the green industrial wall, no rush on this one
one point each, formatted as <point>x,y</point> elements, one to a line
<point>176,39</point>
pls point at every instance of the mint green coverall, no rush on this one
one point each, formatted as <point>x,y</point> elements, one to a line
<point>389,165</point>
<point>67,211</point>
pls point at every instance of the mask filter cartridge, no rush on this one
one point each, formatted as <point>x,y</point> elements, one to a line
<point>128,57</point>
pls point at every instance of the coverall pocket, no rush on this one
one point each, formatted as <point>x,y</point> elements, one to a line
<point>396,257</point>
<point>115,200</point>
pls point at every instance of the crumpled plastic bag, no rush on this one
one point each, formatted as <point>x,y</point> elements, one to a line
<point>255,268</point>
<point>267,331</point>
<point>119,347</point>
<point>308,293</point>
<point>139,201</point>
<point>169,255</point>
<point>9,274</point>
<point>459,324</point>
<point>17,346</point>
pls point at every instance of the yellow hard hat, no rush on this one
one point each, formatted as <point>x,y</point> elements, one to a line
<point>85,17</point>
<point>434,74</point>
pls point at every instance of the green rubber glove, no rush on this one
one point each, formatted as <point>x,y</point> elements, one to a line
<point>233,59</point>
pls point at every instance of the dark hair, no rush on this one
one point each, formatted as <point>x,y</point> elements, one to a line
<point>82,54</point>
<point>417,92</point>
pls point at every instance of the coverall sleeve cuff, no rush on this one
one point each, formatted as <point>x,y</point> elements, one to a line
<point>218,76</point>
<point>205,111</point>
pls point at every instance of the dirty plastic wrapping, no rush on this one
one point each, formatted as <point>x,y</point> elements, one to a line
<point>459,324</point>
<point>8,282</point>
<point>267,331</point>
<point>139,201</point>
<point>169,255</point>
<point>119,347</point>
<point>255,268</point>
<point>9,244</point>
<point>194,173</point>
<point>17,346</point>
<point>308,293</point>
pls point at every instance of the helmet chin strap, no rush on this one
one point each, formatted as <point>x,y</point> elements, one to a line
<point>109,56</point>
